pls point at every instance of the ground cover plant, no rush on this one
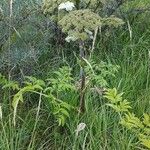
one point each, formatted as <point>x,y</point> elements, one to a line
<point>74,75</point>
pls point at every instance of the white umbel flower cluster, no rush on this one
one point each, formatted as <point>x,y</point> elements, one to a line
<point>68,6</point>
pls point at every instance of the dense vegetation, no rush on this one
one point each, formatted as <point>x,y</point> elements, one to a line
<point>75,75</point>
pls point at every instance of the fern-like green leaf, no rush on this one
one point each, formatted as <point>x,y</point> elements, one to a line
<point>130,121</point>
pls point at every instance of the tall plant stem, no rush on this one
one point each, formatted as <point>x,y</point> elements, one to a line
<point>9,45</point>
<point>82,79</point>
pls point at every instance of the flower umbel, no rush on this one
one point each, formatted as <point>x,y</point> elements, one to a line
<point>68,6</point>
<point>76,22</point>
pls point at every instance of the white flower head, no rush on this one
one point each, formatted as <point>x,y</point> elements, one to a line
<point>80,127</point>
<point>70,38</point>
<point>68,6</point>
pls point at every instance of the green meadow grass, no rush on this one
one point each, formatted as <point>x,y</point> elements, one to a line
<point>103,131</point>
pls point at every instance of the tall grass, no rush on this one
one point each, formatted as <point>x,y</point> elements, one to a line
<point>102,132</point>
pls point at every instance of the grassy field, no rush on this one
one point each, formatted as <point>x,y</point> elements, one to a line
<point>36,127</point>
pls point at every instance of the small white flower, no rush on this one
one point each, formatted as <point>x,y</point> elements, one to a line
<point>80,127</point>
<point>70,38</point>
<point>67,6</point>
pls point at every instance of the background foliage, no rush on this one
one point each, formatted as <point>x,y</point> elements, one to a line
<point>31,43</point>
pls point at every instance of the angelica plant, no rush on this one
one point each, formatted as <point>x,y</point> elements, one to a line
<point>79,24</point>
